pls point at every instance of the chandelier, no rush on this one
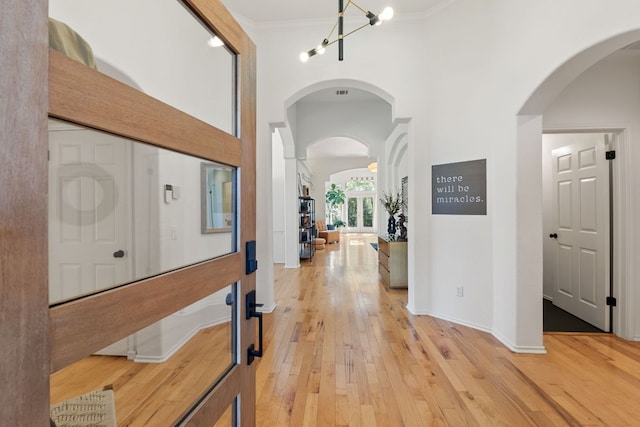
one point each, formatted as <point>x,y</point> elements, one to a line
<point>373,19</point>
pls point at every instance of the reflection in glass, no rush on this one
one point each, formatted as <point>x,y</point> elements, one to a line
<point>157,47</point>
<point>352,212</point>
<point>367,211</point>
<point>121,210</point>
<point>170,364</point>
<point>216,183</point>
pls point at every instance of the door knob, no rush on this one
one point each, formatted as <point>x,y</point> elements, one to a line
<point>553,235</point>
<point>118,254</point>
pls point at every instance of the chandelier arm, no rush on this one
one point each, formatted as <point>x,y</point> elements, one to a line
<point>332,30</point>
<point>341,28</point>
<point>339,25</point>
<point>356,5</point>
<point>357,29</point>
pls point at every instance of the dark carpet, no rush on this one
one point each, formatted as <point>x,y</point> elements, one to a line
<point>557,320</point>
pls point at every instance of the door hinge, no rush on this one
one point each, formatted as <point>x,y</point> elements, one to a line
<point>610,155</point>
<point>611,301</point>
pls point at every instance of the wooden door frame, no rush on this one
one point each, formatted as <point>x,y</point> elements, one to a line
<point>35,83</point>
<point>24,306</point>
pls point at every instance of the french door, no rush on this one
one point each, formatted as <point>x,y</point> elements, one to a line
<point>360,213</point>
<point>72,329</point>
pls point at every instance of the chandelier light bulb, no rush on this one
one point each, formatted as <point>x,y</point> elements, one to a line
<point>386,14</point>
<point>304,57</point>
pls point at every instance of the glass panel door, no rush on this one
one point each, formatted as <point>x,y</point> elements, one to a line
<point>352,213</point>
<point>367,212</point>
<point>361,213</point>
<point>193,279</point>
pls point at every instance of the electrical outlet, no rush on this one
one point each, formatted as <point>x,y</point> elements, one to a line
<point>460,291</point>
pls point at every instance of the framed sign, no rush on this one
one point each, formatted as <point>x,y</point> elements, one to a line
<point>459,188</point>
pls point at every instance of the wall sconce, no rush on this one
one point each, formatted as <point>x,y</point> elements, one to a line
<point>373,167</point>
<point>372,19</point>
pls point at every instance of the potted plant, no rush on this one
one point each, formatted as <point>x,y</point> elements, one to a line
<point>335,198</point>
<point>392,204</point>
<point>338,223</point>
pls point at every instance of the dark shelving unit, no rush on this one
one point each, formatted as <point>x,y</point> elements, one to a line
<point>306,227</point>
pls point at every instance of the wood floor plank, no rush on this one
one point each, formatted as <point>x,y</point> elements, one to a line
<point>434,372</point>
<point>341,349</point>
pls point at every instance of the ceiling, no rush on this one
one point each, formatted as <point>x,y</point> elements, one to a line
<point>337,147</point>
<point>263,11</point>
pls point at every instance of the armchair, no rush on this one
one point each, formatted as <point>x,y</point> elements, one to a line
<point>330,236</point>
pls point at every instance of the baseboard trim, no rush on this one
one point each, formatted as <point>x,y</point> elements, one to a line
<point>198,325</point>
<point>503,340</point>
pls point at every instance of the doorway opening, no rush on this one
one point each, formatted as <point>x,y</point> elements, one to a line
<point>577,222</point>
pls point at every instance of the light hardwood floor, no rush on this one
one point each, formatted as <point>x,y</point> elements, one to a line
<point>342,350</point>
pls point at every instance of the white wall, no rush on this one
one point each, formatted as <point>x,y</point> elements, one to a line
<point>277,177</point>
<point>463,76</point>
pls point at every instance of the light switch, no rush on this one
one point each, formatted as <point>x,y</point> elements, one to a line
<point>168,193</point>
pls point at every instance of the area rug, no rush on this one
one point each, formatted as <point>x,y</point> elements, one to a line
<point>95,409</point>
<point>374,246</point>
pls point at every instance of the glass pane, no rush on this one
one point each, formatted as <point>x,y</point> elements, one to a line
<point>155,46</point>
<point>156,374</point>
<point>405,196</point>
<point>121,210</point>
<point>361,184</point>
<point>367,211</point>
<point>352,212</point>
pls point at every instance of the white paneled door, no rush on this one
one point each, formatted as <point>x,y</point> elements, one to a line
<point>89,224</point>
<point>581,227</point>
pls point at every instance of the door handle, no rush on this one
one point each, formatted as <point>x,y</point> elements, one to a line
<point>250,306</point>
<point>118,254</point>
<point>553,235</point>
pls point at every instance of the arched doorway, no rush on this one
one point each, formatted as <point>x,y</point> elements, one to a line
<point>330,111</point>
<point>530,233</point>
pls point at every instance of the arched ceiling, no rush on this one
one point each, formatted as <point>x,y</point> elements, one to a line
<point>337,147</point>
<point>345,121</point>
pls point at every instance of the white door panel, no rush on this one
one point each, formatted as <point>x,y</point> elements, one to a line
<point>580,185</point>
<point>88,212</point>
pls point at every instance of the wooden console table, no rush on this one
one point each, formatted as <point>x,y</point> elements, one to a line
<point>392,262</point>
